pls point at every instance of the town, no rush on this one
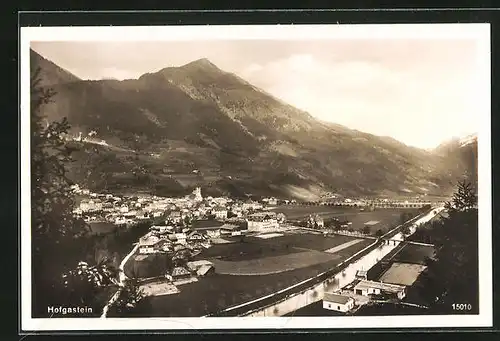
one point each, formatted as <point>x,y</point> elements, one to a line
<point>174,252</point>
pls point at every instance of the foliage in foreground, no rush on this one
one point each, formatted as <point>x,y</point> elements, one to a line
<point>61,247</point>
<point>452,277</point>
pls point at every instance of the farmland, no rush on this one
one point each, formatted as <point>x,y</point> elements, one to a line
<point>415,254</point>
<point>385,218</point>
<point>276,264</point>
<point>220,291</point>
<point>402,273</point>
<point>252,247</point>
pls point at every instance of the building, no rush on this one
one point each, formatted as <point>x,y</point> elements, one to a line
<point>195,236</point>
<point>178,273</point>
<point>367,288</point>
<point>205,270</point>
<point>181,238</point>
<point>195,265</point>
<point>197,195</point>
<point>261,224</point>
<point>148,246</point>
<point>251,206</point>
<point>281,217</point>
<point>213,233</point>
<point>220,213</point>
<point>337,302</point>
<point>271,201</point>
<point>361,274</point>
<point>315,221</point>
<point>163,245</point>
<point>175,217</point>
<point>210,228</point>
<point>201,267</point>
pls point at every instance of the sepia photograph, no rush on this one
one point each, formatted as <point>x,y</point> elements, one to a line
<point>264,176</point>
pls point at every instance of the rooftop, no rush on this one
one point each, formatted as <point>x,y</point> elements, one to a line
<point>179,271</point>
<point>336,298</point>
<point>379,285</point>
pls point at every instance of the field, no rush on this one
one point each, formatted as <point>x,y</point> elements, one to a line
<point>415,254</point>
<point>386,218</point>
<point>293,212</point>
<point>254,247</point>
<point>276,264</point>
<point>303,260</point>
<point>402,273</point>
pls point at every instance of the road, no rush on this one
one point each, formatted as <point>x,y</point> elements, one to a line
<point>122,279</point>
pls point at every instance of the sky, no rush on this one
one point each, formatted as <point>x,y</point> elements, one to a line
<point>418,91</point>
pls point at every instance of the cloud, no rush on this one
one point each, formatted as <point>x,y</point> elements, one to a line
<point>112,73</point>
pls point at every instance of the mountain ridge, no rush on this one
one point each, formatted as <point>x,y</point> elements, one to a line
<point>238,138</point>
<point>51,73</point>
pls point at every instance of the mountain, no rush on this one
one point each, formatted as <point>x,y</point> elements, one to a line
<point>459,156</point>
<point>196,124</point>
<point>51,74</point>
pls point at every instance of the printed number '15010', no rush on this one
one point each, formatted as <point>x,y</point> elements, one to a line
<point>461,306</point>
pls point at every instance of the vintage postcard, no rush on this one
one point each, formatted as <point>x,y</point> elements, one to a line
<point>242,177</point>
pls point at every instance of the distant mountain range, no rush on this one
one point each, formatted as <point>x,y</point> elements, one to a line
<point>198,125</point>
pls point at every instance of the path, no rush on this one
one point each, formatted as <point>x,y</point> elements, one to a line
<point>343,246</point>
<point>121,283</point>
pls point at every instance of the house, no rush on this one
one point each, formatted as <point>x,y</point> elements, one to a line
<point>196,265</point>
<point>367,288</point>
<point>361,274</point>
<point>179,246</point>
<point>141,215</point>
<point>195,236</point>
<point>181,238</point>
<point>342,303</point>
<point>175,217</point>
<point>261,222</point>
<point>213,233</point>
<point>178,273</point>
<point>220,213</point>
<point>281,217</point>
<point>315,221</point>
<point>160,228</point>
<point>148,246</point>
<point>163,245</point>
<point>251,206</point>
<point>205,270</point>
<point>209,227</point>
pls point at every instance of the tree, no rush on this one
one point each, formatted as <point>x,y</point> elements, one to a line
<point>187,221</point>
<point>464,199</point>
<point>181,257</point>
<point>130,296</point>
<point>379,233</point>
<point>85,282</point>
<point>366,229</point>
<point>453,274</point>
<point>59,240</point>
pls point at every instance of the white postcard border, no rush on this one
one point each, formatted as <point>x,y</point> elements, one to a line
<point>481,32</point>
